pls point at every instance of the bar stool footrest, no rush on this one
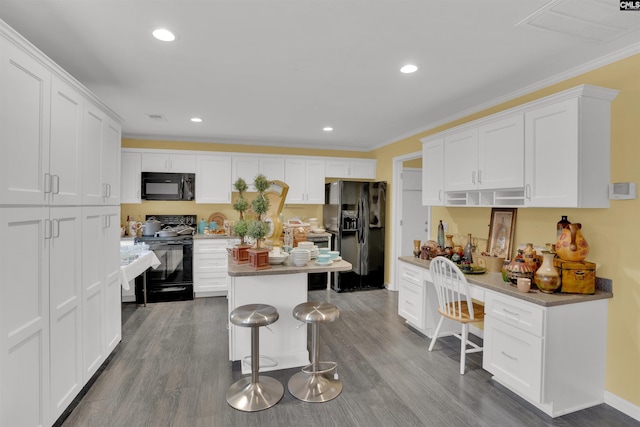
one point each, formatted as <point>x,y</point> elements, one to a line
<point>331,366</point>
<point>247,361</point>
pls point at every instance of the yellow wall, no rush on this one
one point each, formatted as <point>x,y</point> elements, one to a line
<point>612,233</point>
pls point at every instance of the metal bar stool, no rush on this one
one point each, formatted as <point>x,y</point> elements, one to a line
<point>317,382</point>
<point>256,392</point>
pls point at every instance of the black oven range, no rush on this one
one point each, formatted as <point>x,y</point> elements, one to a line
<point>173,279</point>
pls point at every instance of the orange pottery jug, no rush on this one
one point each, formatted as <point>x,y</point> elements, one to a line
<point>572,246</point>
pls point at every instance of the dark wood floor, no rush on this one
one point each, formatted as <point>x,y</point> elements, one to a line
<point>171,369</point>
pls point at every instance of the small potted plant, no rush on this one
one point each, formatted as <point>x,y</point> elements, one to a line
<point>257,228</point>
<point>240,228</point>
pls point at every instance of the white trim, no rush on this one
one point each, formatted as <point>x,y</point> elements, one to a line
<point>622,405</point>
<point>396,204</point>
<point>557,78</point>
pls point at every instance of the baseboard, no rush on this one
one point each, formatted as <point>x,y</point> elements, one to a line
<point>622,405</point>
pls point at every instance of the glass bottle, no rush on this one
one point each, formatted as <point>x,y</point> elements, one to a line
<point>441,234</point>
<point>564,222</point>
<point>468,250</point>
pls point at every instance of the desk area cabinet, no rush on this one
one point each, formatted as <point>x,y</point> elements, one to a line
<point>547,348</point>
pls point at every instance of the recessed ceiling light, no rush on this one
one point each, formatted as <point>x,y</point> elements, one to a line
<point>164,35</point>
<point>196,119</point>
<point>408,69</point>
<point>327,129</point>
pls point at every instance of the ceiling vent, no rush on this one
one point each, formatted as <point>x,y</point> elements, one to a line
<point>598,21</point>
<point>157,117</point>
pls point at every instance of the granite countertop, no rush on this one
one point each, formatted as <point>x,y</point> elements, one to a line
<point>237,270</point>
<point>494,282</point>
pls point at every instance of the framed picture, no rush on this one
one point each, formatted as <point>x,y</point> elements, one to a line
<point>501,230</point>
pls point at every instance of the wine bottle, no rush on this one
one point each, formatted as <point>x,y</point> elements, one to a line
<point>441,234</point>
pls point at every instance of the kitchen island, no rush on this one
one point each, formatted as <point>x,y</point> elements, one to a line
<point>284,287</point>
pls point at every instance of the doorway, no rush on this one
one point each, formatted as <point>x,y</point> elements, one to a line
<point>411,220</point>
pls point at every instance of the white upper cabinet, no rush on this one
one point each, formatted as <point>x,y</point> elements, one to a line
<point>65,156</point>
<point>305,178</point>
<point>350,168</point>
<point>168,162</point>
<point>501,153</point>
<point>131,176</point>
<point>552,152</point>
<point>25,101</point>
<point>433,172</point>
<point>101,158</point>
<point>490,156</point>
<point>461,160</point>
<point>567,146</point>
<point>213,179</point>
<point>248,167</point>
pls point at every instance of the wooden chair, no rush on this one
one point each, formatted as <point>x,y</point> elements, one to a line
<point>454,302</point>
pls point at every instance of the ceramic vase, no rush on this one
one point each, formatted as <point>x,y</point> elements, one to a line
<point>572,246</point>
<point>547,278</point>
<point>519,268</point>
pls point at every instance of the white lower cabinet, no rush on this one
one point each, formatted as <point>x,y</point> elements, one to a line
<point>554,357</point>
<point>411,294</point>
<point>210,267</point>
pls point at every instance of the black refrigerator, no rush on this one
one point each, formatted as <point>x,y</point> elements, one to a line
<point>354,213</point>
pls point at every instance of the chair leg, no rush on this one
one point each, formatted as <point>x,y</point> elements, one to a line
<point>435,334</point>
<point>463,347</point>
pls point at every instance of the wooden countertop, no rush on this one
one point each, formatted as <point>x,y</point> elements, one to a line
<point>494,282</point>
<point>237,270</point>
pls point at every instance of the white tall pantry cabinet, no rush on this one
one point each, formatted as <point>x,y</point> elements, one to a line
<point>59,228</point>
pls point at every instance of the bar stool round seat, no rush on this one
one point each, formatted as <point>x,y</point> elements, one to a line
<point>254,392</point>
<point>317,382</point>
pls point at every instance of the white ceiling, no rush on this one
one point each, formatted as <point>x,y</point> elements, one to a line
<point>275,72</point>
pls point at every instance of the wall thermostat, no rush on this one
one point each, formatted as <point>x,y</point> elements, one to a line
<point>622,191</point>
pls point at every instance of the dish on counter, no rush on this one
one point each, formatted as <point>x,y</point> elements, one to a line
<point>218,218</point>
<point>474,270</point>
<point>317,230</point>
<point>324,263</point>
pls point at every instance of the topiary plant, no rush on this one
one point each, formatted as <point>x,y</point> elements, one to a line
<point>241,228</point>
<point>258,229</point>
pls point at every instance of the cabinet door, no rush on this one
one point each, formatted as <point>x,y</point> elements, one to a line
<point>296,176</point>
<point>315,182</point>
<point>337,168</point>
<point>246,168</point>
<point>111,270</point>
<point>272,168</point>
<point>182,163</point>
<point>213,179</point>
<point>501,154</point>
<point>155,162</point>
<point>411,294</point>
<point>111,161</point>
<point>130,177</point>
<point>25,91</point>
<point>362,169</point>
<point>514,357</point>
<point>24,317</point>
<point>93,290</point>
<point>433,173</point>
<point>65,299</point>
<point>551,153</point>
<point>93,187</point>
<point>461,160</point>
<point>65,164</point>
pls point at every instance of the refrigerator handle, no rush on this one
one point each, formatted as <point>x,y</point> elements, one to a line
<point>360,220</point>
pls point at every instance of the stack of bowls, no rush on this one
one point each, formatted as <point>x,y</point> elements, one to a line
<point>300,257</point>
<point>311,247</point>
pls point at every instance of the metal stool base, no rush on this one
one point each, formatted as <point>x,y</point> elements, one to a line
<point>247,396</point>
<point>314,387</point>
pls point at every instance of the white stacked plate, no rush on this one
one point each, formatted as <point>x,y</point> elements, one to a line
<point>306,245</point>
<point>300,257</point>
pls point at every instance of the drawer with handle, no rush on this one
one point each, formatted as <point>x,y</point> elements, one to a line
<point>520,314</point>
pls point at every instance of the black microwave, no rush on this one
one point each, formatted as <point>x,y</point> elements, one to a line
<point>168,186</point>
